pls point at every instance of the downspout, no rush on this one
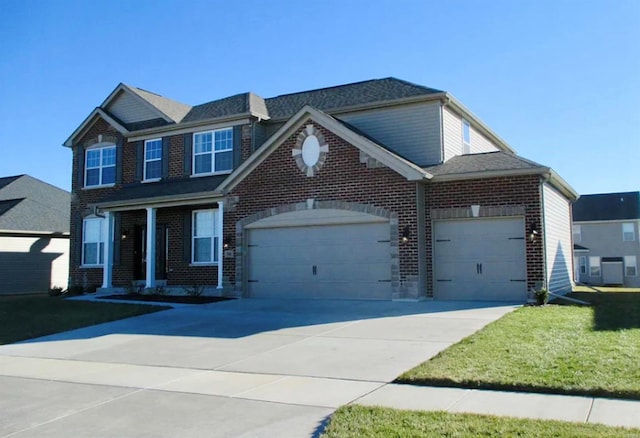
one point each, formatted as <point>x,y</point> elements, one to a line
<point>543,226</point>
<point>443,104</point>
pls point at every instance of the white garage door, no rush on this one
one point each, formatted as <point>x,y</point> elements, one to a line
<point>480,259</point>
<point>327,261</point>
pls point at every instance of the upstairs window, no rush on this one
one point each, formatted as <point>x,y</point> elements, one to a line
<point>466,137</point>
<point>630,266</point>
<point>577,233</point>
<point>93,241</point>
<point>100,166</point>
<point>204,237</point>
<point>213,152</point>
<point>152,159</point>
<point>594,266</point>
<point>628,233</point>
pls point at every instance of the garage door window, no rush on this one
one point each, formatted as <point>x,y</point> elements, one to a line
<point>204,239</point>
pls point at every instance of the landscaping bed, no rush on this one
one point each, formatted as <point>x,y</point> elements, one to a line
<point>561,349</point>
<point>182,299</point>
<point>360,421</point>
<point>27,317</point>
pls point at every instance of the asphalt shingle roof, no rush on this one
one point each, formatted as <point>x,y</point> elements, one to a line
<point>485,162</point>
<point>607,206</point>
<point>28,204</point>
<point>229,106</point>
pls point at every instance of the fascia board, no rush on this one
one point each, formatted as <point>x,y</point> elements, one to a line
<point>161,201</point>
<point>89,121</point>
<point>558,182</point>
<point>185,128</point>
<point>490,174</point>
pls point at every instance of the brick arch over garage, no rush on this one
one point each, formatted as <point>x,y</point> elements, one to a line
<point>243,224</point>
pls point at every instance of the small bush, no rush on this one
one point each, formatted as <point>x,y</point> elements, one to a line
<point>75,290</point>
<point>542,296</point>
<point>55,291</point>
<point>194,291</point>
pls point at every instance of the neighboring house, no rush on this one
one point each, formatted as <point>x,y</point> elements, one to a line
<point>606,238</point>
<point>34,235</point>
<point>380,189</point>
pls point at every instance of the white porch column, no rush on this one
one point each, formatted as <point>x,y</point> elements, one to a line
<point>151,248</point>
<point>220,231</point>
<point>107,266</point>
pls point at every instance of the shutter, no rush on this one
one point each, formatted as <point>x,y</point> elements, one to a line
<point>78,240</point>
<point>188,141</point>
<point>237,146</point>
<point>119,153</point>
<point>139,160</point>
<point>186,237</point>
<point>165,157</point>
<point>80,164</point>
<point>117,232</point>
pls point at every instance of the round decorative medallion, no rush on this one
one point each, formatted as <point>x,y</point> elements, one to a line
<point>310,151</point>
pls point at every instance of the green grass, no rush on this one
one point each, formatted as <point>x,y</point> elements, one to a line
<point>360,421</point>
<point>26,317</point>
<point>554,349</point>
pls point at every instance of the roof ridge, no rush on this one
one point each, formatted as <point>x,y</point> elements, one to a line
<point>329,88</point>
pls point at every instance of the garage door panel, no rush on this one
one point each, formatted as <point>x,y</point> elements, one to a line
<point>480,259</point>
<point>333,261</point>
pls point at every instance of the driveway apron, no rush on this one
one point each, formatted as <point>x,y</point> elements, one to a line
<point>235,368</point>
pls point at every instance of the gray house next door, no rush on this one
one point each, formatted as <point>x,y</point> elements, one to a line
<point>480,259</point>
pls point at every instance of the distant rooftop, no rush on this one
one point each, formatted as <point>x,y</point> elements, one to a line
<point>607,206</point>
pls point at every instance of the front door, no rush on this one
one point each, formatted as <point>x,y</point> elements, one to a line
<point>140,252</point>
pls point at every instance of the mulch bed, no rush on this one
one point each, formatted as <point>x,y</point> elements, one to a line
<point>182,299</point>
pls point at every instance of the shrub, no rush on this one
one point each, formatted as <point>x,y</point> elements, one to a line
<point>55,291</point>
<point>194,291</point>
<point>542,296</point>
<point>75,289</point>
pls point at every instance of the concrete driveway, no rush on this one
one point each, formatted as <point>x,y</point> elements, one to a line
<point>236,368</point>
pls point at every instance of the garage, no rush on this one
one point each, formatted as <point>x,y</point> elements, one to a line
<point>480,259</point>
<point>330,254</point>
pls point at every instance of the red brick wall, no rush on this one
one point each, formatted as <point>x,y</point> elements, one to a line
<point>491,192</point>
<point>278,181</point>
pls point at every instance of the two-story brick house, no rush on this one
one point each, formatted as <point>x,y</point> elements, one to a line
<point>374,190</point>
<point>606,234</point>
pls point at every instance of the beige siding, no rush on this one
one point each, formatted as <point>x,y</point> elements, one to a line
<point>557,239</point>
<point>412,131</point>
<point>33,264</point>
<point>129,109</point>
<point>453,137</point>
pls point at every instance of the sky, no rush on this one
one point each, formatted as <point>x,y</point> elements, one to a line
<point>558,80</point>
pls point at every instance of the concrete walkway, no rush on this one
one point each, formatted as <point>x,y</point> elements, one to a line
<point>253,368</point>
<point>612,412</point>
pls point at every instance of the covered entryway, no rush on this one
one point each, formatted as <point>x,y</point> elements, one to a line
<point>320,254</point>
<point>480,259</point>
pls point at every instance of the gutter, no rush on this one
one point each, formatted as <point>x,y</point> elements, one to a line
<point>160,201</point>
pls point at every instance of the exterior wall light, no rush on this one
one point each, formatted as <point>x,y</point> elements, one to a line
<point>406,234</point>
<point>125,234</point>
<point>533,233</point>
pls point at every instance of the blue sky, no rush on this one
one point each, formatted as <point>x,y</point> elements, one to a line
<point>559,80</point>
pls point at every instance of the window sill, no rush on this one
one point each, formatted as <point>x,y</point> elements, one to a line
<point>103,186</point>
<point>198,175</point>
<point>203,264</point>
<point>144,181</point>
<point>91,266</point>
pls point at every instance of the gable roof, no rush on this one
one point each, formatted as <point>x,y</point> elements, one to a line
<point>176,111</point>
<point>607,206</point>
<point>376,151</point>
<point>344,96</point>
<point>28,204</point>
<point>240,104</point>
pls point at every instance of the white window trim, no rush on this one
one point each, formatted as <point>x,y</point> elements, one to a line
<point>577,228</point>
<point>213,153</point>
<point>145,161</point>
<point>103,225</point>
<point>100,146</point>
<point>635,265</point>
<point>582,263</point>
<point>466,145</point>
<point>599,266</point>
<point>213,236</point>
<point>633,232</point>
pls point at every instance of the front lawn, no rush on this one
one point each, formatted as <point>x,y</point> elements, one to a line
<point>360,421</point>
<point>26,317</point>
<point>555,349</point>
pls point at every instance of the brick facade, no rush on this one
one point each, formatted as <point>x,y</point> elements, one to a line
<point>518,195</point>
<point>278,181</point>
